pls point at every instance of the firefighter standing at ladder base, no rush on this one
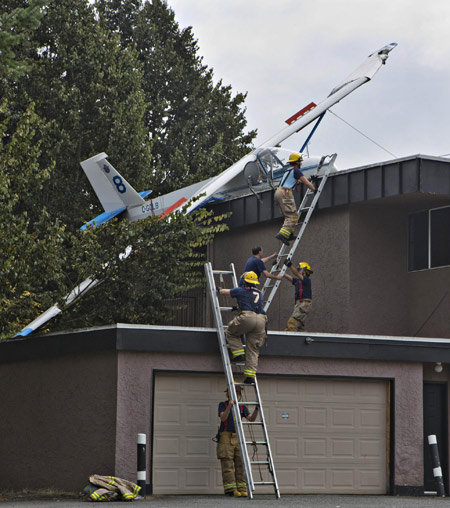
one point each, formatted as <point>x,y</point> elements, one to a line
<point>284,196</point>
<point>233,475</point>
<point>251,321</point>
<point>303,296</point>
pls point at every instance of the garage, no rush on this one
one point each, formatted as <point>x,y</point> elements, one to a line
<point>328,435</point>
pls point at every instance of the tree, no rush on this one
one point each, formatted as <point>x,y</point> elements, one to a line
<point>43,261</point>
<point>30,249</point>
<point>166,260</point>
<point>88,91</point>
<point>118,77</point>
<point>15,26</point>
<point>196,126</point>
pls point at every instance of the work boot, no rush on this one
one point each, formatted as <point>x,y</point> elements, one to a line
<point>233,493</point>
<point>243,493</point>
<point>238,359</point>
<point>292,237</point>
<point>279,236</point>
<point>249,381</point>
<point>291,325</point>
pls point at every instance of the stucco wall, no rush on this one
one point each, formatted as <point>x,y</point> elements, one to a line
<point>386,299</point>
<point>325,246</point>
<point>361,283</point>
<point>66,418</point>
<point>58,421</point>
<point>135,400</point>
<point>429,303</point>
<point>378,269</point>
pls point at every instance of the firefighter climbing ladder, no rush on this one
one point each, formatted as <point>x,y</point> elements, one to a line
<point>307,206</point>
<point>244,442</point>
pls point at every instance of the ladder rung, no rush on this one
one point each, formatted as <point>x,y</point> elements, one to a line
<point>223,272</point>
<point>263,483</point>
<point>256,442</point>
<point>223,309</point>
<point>260,462</point>
<point>252,423</point>
<point>251,403</point>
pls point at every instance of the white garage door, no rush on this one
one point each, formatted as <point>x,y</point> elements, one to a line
<point>327,435</point>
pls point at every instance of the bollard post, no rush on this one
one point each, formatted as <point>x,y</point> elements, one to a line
<point>141,463</point>
<point>437,470</point>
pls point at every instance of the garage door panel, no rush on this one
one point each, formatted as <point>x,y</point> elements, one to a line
<point>372,418</point>
<point>199,415</point>
<point>371,448</point>
<point>168,415</point>
<point>327,436</point>
<point>285,447</point>
<point>168,446</point>
<point>288,415</point>
<point>315,448</point>
<point>197,447</point>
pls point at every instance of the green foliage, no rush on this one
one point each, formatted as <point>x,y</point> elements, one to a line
<point>43,261</point>
<point>31,250</point>
<point>15,25</point>
<point>79,78</point>
<point>196,126</point>
<point>166,259</point>
<point>89,92</point>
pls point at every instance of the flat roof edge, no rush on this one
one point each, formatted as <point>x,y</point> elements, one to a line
<point>179,340</point>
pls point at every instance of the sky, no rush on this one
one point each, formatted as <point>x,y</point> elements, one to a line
<point>288,53</point>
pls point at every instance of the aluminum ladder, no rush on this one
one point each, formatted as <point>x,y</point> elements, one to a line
<point>307,207</point>
<point>257,430</point>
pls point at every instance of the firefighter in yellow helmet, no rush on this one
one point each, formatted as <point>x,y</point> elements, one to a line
<point>251,321</point>
<point>303,295</point>
<point>284,196</point>
<point>233,475</point>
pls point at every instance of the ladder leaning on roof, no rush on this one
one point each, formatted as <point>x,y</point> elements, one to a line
<point>307,207</point>
<point>268,477</point>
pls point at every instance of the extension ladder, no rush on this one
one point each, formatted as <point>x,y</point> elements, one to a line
<point>268,476</point>
<point>307,206</point>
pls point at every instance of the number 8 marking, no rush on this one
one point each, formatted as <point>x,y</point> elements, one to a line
<point>119,184</point>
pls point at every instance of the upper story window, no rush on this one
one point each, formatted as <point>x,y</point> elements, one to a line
<point>429,239</point>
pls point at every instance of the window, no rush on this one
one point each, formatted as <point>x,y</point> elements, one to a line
<point>429,239</point>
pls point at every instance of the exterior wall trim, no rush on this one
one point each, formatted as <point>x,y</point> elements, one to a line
<point>123,337</point>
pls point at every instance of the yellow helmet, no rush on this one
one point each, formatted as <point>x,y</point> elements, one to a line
<point>305,266</point>
<point>295,156</point>
<point>251,278</point>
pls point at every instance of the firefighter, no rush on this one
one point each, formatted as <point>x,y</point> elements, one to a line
<point>284,196</point>
<point>251,321</point>
<point>233,475</point>
<point>303,295</point>
<point>256,263</point>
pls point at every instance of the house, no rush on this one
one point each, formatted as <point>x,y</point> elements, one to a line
<point>348,403</point>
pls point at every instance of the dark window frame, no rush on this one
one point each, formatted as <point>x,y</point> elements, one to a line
<point>424,247</point>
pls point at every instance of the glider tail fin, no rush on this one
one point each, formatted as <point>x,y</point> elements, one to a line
<point>111,188</point>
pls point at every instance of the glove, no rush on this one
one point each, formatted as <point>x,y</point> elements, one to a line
<point>218,288</point>
<point>315,180</point>
<point>288,262</point>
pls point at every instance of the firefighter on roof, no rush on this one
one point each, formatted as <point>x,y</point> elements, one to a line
<point>284,196</point>
<point>303,295</point>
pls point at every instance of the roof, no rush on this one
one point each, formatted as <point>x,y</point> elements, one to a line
<point>147,338</point>
<point>421,174</point>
